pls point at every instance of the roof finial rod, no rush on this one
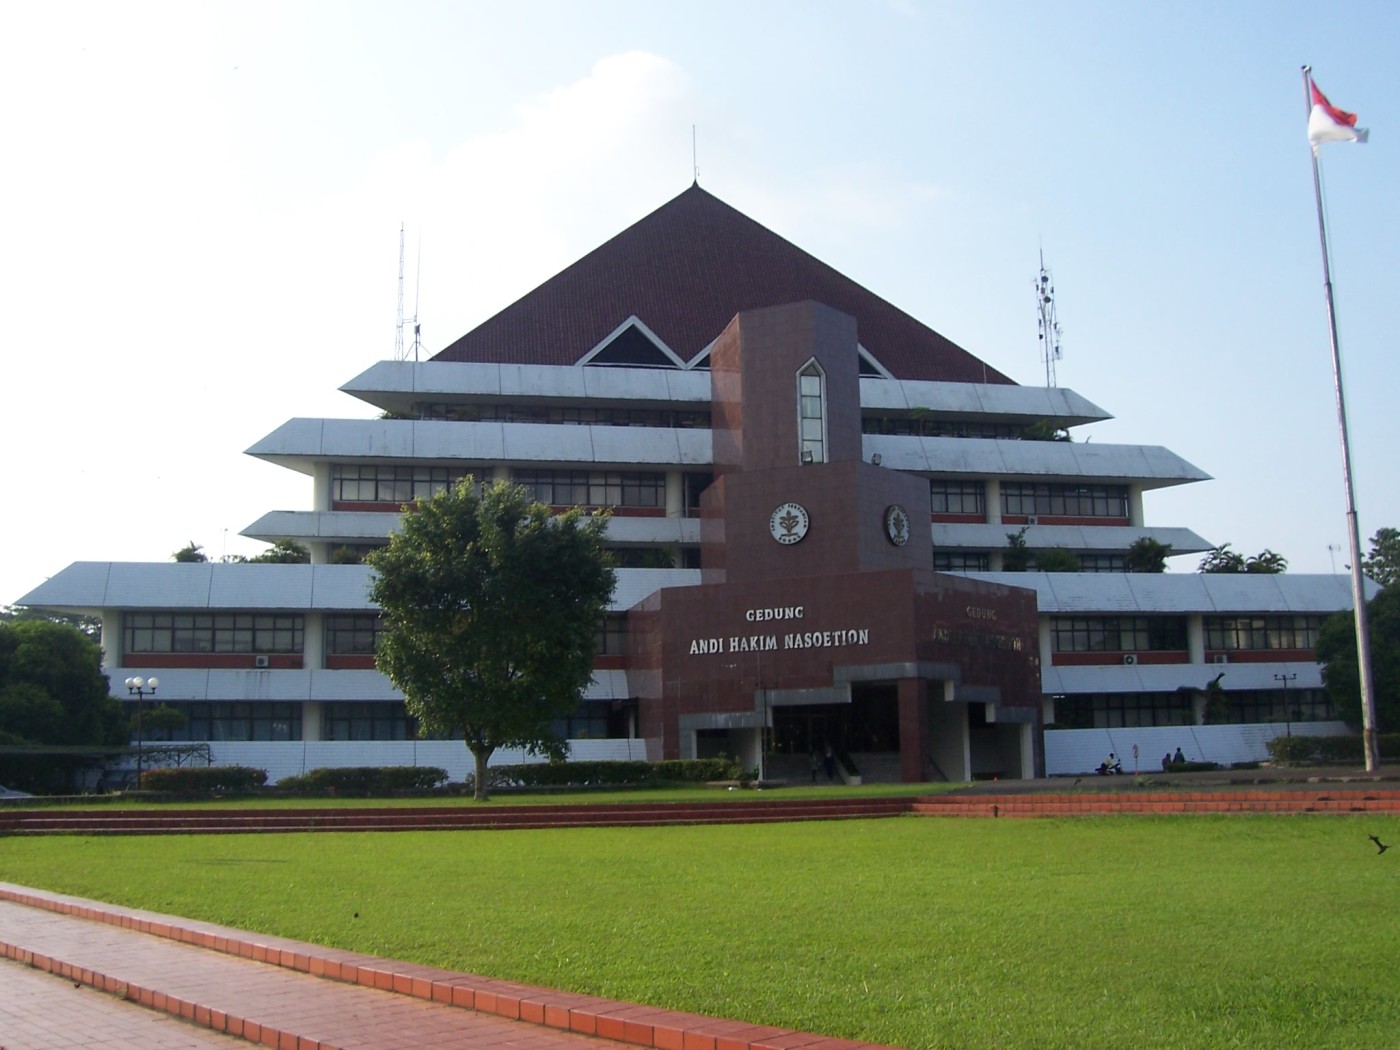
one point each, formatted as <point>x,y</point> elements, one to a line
<point>694,156</point>
<point>1048,321</point>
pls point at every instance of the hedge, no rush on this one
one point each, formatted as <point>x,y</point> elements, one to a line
<point>204,779</point>
<point>1324,750</point>
<point>364,780</point>
<point>616,774</point>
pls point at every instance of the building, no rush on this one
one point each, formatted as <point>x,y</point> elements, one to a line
<point>815,497</point>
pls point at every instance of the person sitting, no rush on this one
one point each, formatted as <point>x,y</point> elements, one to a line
<point>1178,758</point>
<point>1110,765</point>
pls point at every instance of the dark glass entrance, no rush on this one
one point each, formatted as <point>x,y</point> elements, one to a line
<point>869,723</point>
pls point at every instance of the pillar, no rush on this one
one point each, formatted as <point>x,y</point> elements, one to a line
<point>913,730</point>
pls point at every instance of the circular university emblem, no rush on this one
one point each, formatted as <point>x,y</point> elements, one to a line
<point>896,525</point>
<point>789,523</point>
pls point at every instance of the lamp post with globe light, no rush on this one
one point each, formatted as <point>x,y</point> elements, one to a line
<point>140,688</point>
<point>1287,714</point>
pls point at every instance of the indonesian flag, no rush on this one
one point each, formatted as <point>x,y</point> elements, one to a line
<point>1327,123</point>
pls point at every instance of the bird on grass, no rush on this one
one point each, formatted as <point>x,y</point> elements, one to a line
<point>1381,847</point>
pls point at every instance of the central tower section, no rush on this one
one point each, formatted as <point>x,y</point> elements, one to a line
<point>793,496</point>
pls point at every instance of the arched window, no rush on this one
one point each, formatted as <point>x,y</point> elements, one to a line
<point>811,413</point>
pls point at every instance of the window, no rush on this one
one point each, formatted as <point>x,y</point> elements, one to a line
<point>1276,705</point>
<point>588,721</point>
<point>1065,500</point>
<point>694,485</point>
<point>576,415</point>
<point>960,562</point>
<point>611,639</point>
<point>811,414</point>
<point>1117,634</point>
<point>373,484</point>
<point>1262,632</point>
<point>923,425</point>
<point>213,633</point>
<point>1102,563</point>
<point>958,497</point>
<point>596,488</point>
<point>1123,710</point>
<point>225,720</point>
<point>354,635</point>
<point>387,720</point>
<point>642,557</point>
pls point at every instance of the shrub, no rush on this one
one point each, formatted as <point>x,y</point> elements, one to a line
<point>204,779</point>
<point>1191,767</point>
<point>1322,750</point>
<point>364,780</point>
<point>616,774</point>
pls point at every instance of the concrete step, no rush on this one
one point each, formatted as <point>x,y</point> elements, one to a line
<point>1117,802</point>
<point>192,821</point>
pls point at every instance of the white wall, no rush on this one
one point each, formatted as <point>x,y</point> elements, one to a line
<point>1072,752</point>
<point>292,758</point>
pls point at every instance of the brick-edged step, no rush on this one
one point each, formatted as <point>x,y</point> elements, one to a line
<point>1114,802</point>
<point>582,1015</point>
<point>418,818</point>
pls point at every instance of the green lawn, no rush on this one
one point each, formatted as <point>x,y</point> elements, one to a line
<point>1239,931</point>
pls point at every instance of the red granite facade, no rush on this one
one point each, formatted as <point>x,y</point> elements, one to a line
<point>819,618</point>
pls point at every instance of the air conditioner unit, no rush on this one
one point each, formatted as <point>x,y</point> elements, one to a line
<point>1031,519</point>
<point>1130,659</point>
<point>260,661</point>
<point>1221,658</point>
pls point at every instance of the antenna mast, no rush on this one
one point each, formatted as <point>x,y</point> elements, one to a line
<point>417,288</point>
<point>398,330</point>
<point>1049,322</point>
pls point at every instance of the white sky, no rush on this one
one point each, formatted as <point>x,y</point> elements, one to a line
<point>202,205</point>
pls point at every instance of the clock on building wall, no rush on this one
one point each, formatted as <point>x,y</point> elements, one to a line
<point>896,525</point>
<point>788,523</point>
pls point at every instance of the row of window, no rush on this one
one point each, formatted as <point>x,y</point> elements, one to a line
<point>1025,498</point>
<point>922,426</point>
<point>1136,634</point>
<point>347,634</point>
<point>1262,632</point>
<point>1116,634</point>
<point>374,484</point>
<point>687,419</point>
<point>967,561</point>
<point>389,720</point>
<point>168,632</point>
<point>593,488</point>
<point>1064,500</point>
<point>558,488</point>
<point>582,488</point>
<point>1253,707</point>
<point>240,720</point>
<point>357,633</point>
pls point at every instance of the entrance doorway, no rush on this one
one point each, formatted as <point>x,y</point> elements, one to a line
<point>868,724</point>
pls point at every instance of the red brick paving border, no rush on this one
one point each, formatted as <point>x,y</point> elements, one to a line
<point>611,1019</point>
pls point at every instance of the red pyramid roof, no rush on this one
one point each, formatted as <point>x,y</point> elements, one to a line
<point>685,270</point>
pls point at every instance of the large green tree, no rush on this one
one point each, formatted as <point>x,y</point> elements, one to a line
<point>1223,559</point>
<point>491,607</point>
<point>1383,564</point>
<point>1336,651</point>
<point>52,689</point>
<point>1147,555</point>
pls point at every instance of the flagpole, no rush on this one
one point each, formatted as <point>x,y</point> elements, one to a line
<point>1358,591</point>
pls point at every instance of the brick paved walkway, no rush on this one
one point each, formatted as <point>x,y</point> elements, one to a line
<point>297,996</point>
<point>41,1011</point>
